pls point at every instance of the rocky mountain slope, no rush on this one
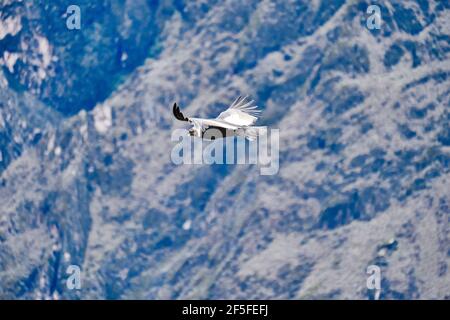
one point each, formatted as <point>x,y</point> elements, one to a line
<point>86,175</point>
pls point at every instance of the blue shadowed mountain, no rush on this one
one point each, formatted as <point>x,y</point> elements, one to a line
<point>86,176</point>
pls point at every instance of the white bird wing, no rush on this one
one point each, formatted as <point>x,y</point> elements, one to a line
<point>241,113</point>
<point>199,122</point>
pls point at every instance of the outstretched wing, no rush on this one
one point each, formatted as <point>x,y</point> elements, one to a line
<point>213,122</point>
<point>241,112</point>
<point>177,113</point>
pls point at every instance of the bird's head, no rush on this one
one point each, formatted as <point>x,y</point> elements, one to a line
<point>194,132</point>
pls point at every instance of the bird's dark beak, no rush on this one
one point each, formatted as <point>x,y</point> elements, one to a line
<point>191,132</point>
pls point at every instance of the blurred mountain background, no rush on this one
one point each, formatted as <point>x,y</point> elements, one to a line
<point>85,171</point>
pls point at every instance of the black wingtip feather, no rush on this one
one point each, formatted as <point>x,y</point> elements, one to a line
<point>177,113</point>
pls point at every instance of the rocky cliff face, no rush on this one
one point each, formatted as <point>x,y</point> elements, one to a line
<point>86,175</point>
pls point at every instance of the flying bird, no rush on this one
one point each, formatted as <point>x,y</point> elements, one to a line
<point>237,120</point>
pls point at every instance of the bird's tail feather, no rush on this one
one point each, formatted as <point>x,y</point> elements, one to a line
<point>252,133</point>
